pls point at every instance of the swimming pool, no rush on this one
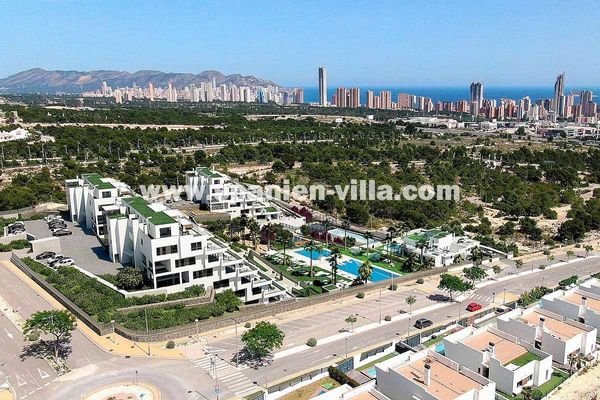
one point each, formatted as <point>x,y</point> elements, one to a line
<point>316,255</point>
<point>351,266</point>
<point>439,348</point>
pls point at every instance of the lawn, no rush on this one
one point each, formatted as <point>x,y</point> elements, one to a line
<point>396,267</point>
<point>312,390</point>
<point>434,340</point>
<point>558,377</point>
<point>381,359</point>
<point>305,278</point>
<point>524,359</point>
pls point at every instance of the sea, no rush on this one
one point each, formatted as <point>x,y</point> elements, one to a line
<point>311,94</point>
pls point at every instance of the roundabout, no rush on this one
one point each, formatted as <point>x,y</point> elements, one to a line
<point>125,391</point>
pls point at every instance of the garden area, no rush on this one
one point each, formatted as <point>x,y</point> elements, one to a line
<point>375,258</point>
<point>104,303</point>
<point>557,378</point>
<point>314,389</point>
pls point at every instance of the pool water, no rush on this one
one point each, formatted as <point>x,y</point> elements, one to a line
<point>351,266</point>
<point>371,372</point>
<point>439,348</point>
<point>316,255</point>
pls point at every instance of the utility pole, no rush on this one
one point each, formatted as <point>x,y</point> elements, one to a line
<point>147,330</point>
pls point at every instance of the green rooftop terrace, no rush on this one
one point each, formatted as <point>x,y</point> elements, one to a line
<point>96,180</point>
<point>141,206</point>
<point>207,172</point>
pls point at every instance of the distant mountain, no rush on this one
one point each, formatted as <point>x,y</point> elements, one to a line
<point>39,80</point>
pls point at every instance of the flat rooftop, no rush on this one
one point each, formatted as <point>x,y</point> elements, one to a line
<point>141,206</point>
<point>557,327</point>
<point>446,383</point>
<point>96,180</point>
<point>364,396</point>
<point>505,350</point>
<point>209,173</point>
<point>575,298</point>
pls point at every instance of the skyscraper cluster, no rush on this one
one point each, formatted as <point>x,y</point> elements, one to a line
<point>204,92</point>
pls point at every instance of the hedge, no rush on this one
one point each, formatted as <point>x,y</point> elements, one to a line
<point>340,377</point>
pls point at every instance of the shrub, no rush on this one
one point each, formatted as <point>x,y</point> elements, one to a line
<point>393,286</point>
<point>248,325</point>
<point>312,342</point>
<point>33,337</point>
<point>542,267</point>
<point>130,278</point>
<point>360,295</point>
<point>170,344</point>
<point>568,281</point>
<point>340,377</point>
<point>420,281</point>
<point>388,318</point>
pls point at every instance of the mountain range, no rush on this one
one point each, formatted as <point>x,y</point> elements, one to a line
<point>38,80</point>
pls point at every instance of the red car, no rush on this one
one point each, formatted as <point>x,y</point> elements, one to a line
<point>473,307</point>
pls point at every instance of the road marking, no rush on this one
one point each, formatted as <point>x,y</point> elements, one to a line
<point>10,335</point>
<point>20,381</point>
<point>43,374</point>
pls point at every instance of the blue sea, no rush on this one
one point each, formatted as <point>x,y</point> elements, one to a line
<point>311,94</point>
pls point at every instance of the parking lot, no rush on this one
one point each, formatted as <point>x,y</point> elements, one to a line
<point>83,246</point>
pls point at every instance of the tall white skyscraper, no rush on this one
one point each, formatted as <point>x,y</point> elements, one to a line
<point>559,91</point>
<point>322,86</point>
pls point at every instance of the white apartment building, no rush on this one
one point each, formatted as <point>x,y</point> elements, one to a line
<point>581,304</point>
<point>441,246</point>
<point>549,332</point>
<point>172,251</point>
<point>15,134</point>
<point>219,193</point>
<point>90,197</point>
<point>427,375</point>
<point>511,363</point>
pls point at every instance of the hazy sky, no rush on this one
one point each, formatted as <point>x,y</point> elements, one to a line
<point>399,43</point>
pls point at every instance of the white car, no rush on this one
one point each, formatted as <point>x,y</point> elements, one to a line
<point>63,262</point>
<point>52,218</point>
<point>55,258</point>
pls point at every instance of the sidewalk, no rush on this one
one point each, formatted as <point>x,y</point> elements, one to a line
<point>114,344</point>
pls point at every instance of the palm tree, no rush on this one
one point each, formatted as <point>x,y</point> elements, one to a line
<point>410,265</point>
<point>351,320</point>
<point>527,393</point>
<point>368,235</point>
<point>410,300</point>
<point>422,244</point>
<point>333,262</point>
<point>570,254</point>
<point>428,263</point>
<point>345,227</point>
<point>550,258</point>
<point>312,247</point>
<point>476,255</point>
<point>575,360</point>
<point>269,230</point>
<point>588,248</point>
<point>254,230</point>
<point>283,239</point>
<point>365,270</point>
<point>519,264</point>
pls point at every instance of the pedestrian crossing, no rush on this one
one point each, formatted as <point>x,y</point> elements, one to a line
<point>226,375</point>
<point>483,298</point>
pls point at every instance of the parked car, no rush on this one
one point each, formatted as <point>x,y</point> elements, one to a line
<point>423,323</point>
<point>50,218</point>
<point>58,228</point>
<point>56,223</point>
<point>45,255</point>
<point>62,232</point>
<point>55,258</point>
<point>64,262</point>
<point>473,307</point>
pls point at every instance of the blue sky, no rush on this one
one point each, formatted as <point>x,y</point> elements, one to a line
<point>393,43</point>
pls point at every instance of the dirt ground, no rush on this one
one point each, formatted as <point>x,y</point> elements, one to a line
<point>309,391</point>
<point>582,387</point>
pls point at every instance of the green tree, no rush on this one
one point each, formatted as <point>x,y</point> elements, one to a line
<point>519,264</point>
<point>588,248</point>
<point>410,300</point>
<point>368,236</point>
<point>453,284</point>
<point>334,259</point>
<point>570,254</point>
<point>365,270</point>
<point>474,274</point>
<point>422,244</point>
<point>476,256</point>
<point>254,231</point>
<point>496,269</point>
<point>345,227</point>
<point>228,300</point>
<point>312,247</point>
<point>261,340</point>
<point>57,323</point>
<point>351,319</point>
<point>130,278</point>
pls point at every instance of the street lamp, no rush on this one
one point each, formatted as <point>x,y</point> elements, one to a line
<point>237,349</point>
<point>147,330</point>
<point>346,342</point>
<point>112,336</point>
<point>504,298</point>
<point>494,297</point>
<point>196,322</point>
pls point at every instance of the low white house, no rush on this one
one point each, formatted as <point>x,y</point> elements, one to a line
<point>549,332</point>
<point>581,304</point>
<point>500,357</point>
<point>15,134</point>
<point>427,375</point>
<point>441,246</point>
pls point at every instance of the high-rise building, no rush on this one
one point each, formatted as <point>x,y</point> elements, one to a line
<point>404,101</point>
<point>370,99</point>
<point>476,90</point>
<point>299,96</point>
<point>585,100</point>
<point>322,86</point>
<point>559,91</point>
<point>385,98</point>
<point>354,98</point>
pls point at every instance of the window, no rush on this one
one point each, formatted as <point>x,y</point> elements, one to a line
<point>184,262</point>
<point>161,251</point>
<point>165,232</point>
<point>106,195</point>
<point>144,260</point>
<point>196,246</point>
<point>221,284</point>
<point>213,257</point>
<point>203,273</point>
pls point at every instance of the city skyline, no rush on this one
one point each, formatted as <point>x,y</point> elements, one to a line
<point>271,42</point>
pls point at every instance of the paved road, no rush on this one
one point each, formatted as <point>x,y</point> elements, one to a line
<point>189,379</point>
